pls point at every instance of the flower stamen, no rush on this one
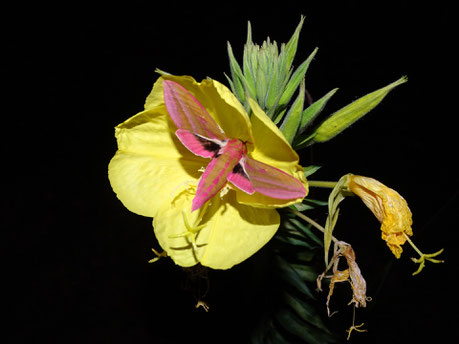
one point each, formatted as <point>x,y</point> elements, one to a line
<point>191,231</point>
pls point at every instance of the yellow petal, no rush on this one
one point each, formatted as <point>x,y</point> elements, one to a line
<point>150,163</point>
<point>169,225</point>
<point>230,232</point>
<point>230,113</point>
<point>271,147</point>
<point>237,232</point>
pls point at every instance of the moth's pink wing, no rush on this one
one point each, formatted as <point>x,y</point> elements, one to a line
<point>212,180</point>
<point>188,113</point>
<point>272,182</point>
<point>239,178</point>
<point>199,145</point>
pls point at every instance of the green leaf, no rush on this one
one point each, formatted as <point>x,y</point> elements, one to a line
<point>306,231</point>
<point>292,120</point>
<point>233,89</point>
<point>309,204</point>
<point>276,338</point>
<point>309,170</point>
<point>306,272</point>
<point>296,242</point>
<point>305,331</point>
<point>301,206</point>
<point>260,332</point>
<point>289,275</point>
<point>303,141</point>
<point>248,63</point>
<point>273,91</point>
<point>344,117</point>
<point>295,229</point>
<point>236,74</point>
<point>283,71</point>
<point>291,46</point>
<point>315,202</point>
<point>261,87</point>
<point>304,311</point>
<point>313,110</point>
<point>278,117</point>
<point>295,80</point>
<point>304,256</point>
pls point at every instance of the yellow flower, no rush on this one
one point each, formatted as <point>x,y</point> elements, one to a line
<point>155,175</point>
<point>389,208</point>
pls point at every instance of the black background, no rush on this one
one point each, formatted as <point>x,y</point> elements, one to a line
<point>76,266</point>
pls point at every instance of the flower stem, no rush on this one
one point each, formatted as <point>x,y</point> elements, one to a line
<point>321,184</point>
<point>312,222</point>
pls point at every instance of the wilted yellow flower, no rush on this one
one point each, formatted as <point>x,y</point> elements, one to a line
<point>389,208</point>
<point>351,274</point>
<point>155,175</point>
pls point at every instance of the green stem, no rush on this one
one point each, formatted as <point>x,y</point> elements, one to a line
<point>312,222</point>
<point>321,184</point>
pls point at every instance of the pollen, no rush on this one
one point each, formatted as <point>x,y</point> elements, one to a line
<point>225,190</point>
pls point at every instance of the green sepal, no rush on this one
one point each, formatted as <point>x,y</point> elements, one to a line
<point>344,117</point>
<point>313,110</point>
<point>291,46</point>
<point>273,88</point>
<point>249,64</point>
<point>239,83</point>
<point>278,117</point>
<point>303,140</point>
<point>295,80</point>
<point>261,87</point>
<point>292,120</point>
<point>266,73</point>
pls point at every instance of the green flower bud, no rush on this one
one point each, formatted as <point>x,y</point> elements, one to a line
<point>344,117</point>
